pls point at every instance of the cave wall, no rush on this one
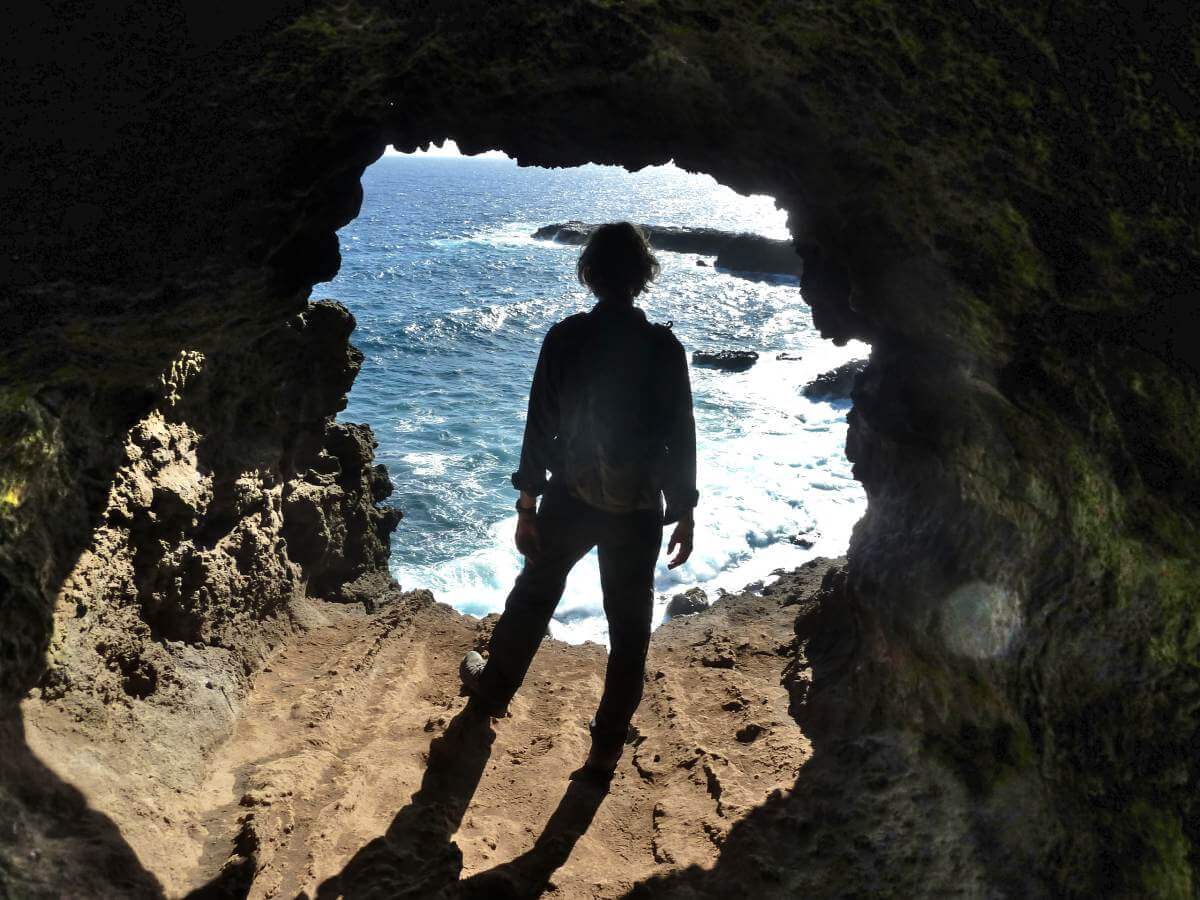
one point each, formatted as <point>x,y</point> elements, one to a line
<point>1002,200</point>
<point>236,495</point>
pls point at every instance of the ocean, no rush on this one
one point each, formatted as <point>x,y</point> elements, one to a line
<point>453,296</point>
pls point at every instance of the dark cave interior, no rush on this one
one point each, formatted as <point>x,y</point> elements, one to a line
<point>1001,201</point>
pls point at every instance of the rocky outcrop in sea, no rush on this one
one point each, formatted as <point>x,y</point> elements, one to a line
<point>735,252</point>
<point>729,360</point>
<point>836,384</point>
<point>687,603</point>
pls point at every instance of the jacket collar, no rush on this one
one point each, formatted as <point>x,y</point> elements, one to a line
<point>617,307</point>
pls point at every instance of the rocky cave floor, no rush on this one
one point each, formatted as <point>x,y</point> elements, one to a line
<point>355,768</point>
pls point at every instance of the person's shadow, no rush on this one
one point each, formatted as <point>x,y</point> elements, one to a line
<point>416,856</point>
<point>529,874</point>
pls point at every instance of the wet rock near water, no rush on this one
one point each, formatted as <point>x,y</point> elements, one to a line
<point>688,603</point>
<point>835,384</point>
<point>729,360</point>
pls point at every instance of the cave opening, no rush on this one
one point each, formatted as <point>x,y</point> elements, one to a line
<point>456,266</point>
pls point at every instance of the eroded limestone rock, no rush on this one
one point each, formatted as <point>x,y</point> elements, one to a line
<point>227,510</point>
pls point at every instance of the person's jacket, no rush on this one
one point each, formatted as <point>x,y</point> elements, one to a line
<point>610,414</point>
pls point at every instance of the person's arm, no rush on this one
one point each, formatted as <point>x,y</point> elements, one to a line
<point>680,487</point>
<point>541,429</point>
<point>528,539</point>
<point>541,426</point>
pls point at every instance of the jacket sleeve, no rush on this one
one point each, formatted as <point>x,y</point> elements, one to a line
<point>679,486</point>
<point>541,424</point>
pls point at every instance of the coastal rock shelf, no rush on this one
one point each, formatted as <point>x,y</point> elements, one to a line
<point>729,360</point>
<point>996,697</point>
<point>836,384</point>
<point>735,252</point>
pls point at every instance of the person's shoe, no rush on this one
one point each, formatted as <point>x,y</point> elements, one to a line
<point>470,670</point>
<point>601,760</point>
<point>599,766</point>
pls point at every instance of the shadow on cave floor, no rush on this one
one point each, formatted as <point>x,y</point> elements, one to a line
<point>861,815</point>
<point>416,856</point>
<point>864,813</point>
<point>872,812</point>
<point>529,874</point>
<point>50,837</point>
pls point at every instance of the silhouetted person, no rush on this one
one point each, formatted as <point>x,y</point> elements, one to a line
<point>610,418</point>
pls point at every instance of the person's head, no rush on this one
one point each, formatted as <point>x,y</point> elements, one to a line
<point>617,263</point>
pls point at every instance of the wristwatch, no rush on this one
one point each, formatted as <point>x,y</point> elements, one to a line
<point>526,509</point>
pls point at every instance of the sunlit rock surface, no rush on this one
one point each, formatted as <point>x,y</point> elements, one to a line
<point>1002,201</point>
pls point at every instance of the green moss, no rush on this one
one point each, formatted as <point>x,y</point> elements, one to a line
<point>1176,639</point>
<point>1186,138</point>
<point>1041,149</point>
<point>30,445</point>
<point>1164,870</point>
<point>1015,249</point>
<point>1093,502</point>
<point>1174,531</point>
<point>1020,100</point>
<point>314,26</point>
<point>984,754</point>
<point>1118,227</point>
<point>910,44</point>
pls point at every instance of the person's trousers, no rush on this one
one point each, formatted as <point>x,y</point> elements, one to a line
<point>627,545</point>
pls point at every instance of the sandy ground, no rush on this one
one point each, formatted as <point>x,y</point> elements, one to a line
<point>355,769</point>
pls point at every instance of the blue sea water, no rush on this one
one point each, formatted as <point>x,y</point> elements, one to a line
<point>453,296</point>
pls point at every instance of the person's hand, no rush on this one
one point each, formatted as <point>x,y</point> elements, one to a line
<point>529,541</point>
<point>681,537</point>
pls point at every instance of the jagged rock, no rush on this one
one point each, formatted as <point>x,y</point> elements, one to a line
<point>688,603</point>
<point>751,253</point>
<point>747,734</point>
<point>729,360</point>
<point>736,252</point>
<point>332,523</point>
<point>229,508</point>
<point>835,384</point>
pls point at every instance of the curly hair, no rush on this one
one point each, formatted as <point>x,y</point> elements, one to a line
<point>617,263</point>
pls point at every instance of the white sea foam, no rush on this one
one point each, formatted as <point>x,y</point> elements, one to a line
<point>780,472</point>
<point>509,234</point>
<point>428,465</point>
